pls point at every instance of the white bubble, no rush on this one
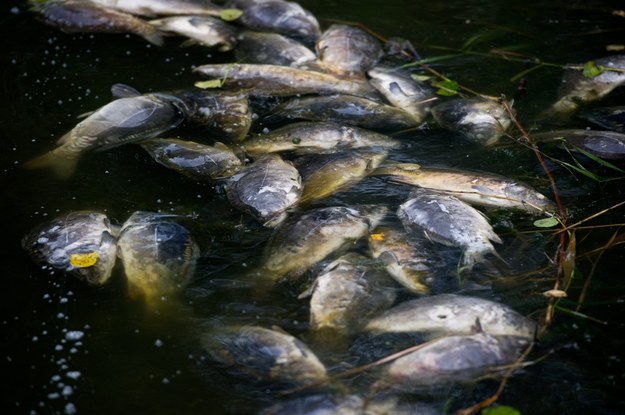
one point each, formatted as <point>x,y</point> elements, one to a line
<point>74,335</point>
<point>67,390</point>
<point>70,409</point>
<point>74,374</point>
<point>158,343</point>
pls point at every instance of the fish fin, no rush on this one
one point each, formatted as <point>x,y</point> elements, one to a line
<point>155,37</point>
<point>124,91</point>
<point>63,167</point>
<point>65,138</point>
<point>477,327</point>
<point>85,114</point>
<point>189,42</point>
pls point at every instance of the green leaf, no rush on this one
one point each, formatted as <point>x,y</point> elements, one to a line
<point>213,83</point>
<point>501,410</point>
<point>590,69</point>
<point>546,222</point>
<point>446,87</point>
<point>420,78</point>
<point>229,15</point>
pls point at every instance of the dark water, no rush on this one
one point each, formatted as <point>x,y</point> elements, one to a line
<point>136,360</point>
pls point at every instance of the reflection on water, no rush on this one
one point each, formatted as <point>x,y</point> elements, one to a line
<point>68,348</point>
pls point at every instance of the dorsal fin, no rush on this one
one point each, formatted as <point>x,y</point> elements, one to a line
<point>124,91</point>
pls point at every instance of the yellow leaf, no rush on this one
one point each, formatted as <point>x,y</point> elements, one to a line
<point>377,236</point>
<point>213,83</point>
<point>83,260</point>
<point>555,293</point>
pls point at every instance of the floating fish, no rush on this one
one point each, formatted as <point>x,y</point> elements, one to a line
<point>611,118</point>
<point>315,137</point>
<point>271,49</point>
<point>162,7</point>
<point>446,314</point>
<point>194,160</point>
<point>204,30</point>
<point>347,50</point>
<point>480,120</point>
<point>266,189</point>
<point>476,188</point>
<point>81,243</point>
<point>266,354</point>
<point>448,220</point>
<point>608,145</point>
<point>159,255</point>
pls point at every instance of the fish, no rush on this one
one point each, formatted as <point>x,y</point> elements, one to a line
<point>611,118</point>
<point>314,137</point>
<point>204,30</point>
<point>281,81</point>
<point>475,188</point>
<point>149,8</point>
<point>608,145</point>
<point>326,174</point>
<point>158,254</point>
<point>577,89</point>
<point>450,360</point>
<point>269,355</point>
<point>81,243</point>
<point>347,50</point>
<point>345,294</point>
<point>272,49</point>
<point>452,314</point>
<point>306,239</point>
<point>283,17</point>
<point>480,120</point>
<point>122,121</point>
<point>406,258</point>
<point>197,161</point>
<point>75,16</point>
<point>447,220</point>
<point>403,92</point>
<point>343,109</point>
<point>266,189</point>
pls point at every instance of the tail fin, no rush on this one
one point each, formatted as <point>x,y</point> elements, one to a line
<point>63,167</point>
<point>152,35</point>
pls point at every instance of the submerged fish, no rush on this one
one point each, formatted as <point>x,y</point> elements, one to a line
<point>403,92</point>
<point>343,109</point>
<point>577,89</point>
<point>81,243</point>
<point>476,188</point>
<point>75,16</point>
<point>305,240</point>
<point>197,161</point>
<point>158,254</point>
<point>347,50</point>
<point>121,121</point>
<point>206,31</point>
<point>345,293</point>
<point>162,7</point>
<point>446,314</point>
<point>266,354</point>
<point>405,257</point>
<point>314,137</point>
<point>325,174</point>
<point>266,189</point>
<point>483,121</point>
<point>611,118</point>
<point>271,49</point>
<point>280,81</point>
<point>450,359</point>
<point>448,220</point>
<point>608,145</point>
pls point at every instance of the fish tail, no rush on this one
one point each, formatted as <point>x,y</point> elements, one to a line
<point>63,167</point>
<point>152,35</point>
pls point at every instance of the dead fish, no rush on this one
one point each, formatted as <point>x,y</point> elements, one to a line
<point>314,137</point>
<point>266,354</point>
<point>122,121</point>
<point>453,359</point>
<point>343,109</point>
<point>271,49</point>
<point>266,189</point>
<point>75,16</point>
<point>447,220</point>
<point>577,89</point>
<point>81,243</point>
<point>446,314</point>
<point>194,160</point>
<point>405,257</point>
<point>475,188</point>
<point>611,118</point>
<point>345,293</point>
<point>347,50</point>
<point>162,7</point>
<point>308,238</point>
<point>326,174</point>
<point>403,92</point>
<point>204,30</point>
<point>280,81</point>
<point>480,120</point>
<point>159,255</point>
<point>283,17</point>
<point>607,145</point>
